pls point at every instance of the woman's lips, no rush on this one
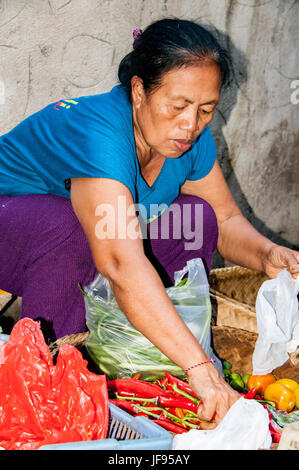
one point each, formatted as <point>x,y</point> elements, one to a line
<point>183,145</point>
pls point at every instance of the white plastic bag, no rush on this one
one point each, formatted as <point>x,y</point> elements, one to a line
<point>277,322</point>
<point>244,427</point>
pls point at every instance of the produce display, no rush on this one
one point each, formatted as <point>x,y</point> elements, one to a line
<point>279,396</point>
<point>171,403</point>
<point>44,403</point>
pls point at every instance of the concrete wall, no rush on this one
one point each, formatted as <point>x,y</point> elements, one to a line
<point>51,49</point>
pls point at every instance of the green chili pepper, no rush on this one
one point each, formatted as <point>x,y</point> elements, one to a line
<point>245,378</point>
<point>236,381</point>
<point>226,365</point>
<point>182,282</point>
<point>226,372</point>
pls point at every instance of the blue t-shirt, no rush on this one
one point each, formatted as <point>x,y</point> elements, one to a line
<point>92,136</point>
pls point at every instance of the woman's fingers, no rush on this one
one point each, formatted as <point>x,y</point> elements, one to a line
<point>294,270</point>
<point>208,426</point>
<point>214,407</point>
<point>206,410</point>
<point>205,414</point>
<point>216,394</point>
<point>280,257</point>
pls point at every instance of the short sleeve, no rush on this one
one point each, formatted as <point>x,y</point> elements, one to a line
<point>111,156</point>
<point>204,156</point>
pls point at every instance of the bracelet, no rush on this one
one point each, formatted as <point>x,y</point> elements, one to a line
<point>199,364</point>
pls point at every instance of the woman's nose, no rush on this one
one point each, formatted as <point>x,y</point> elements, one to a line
<point>189,122</point>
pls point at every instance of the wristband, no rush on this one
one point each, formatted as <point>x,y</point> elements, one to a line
<point>199,364</point>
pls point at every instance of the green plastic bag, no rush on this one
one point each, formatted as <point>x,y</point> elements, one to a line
<point>119,350</point>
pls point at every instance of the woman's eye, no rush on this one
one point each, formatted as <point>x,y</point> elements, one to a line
<point>179,108</point>
<point>204,111</point>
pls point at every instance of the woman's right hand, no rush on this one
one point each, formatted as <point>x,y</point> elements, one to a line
<point>216,394</point>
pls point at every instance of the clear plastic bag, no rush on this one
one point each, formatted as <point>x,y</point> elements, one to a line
<point>120,350</point>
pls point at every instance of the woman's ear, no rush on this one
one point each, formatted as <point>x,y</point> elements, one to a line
<point>137,91</point>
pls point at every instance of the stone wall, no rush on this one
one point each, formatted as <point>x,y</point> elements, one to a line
<point>51,49</point>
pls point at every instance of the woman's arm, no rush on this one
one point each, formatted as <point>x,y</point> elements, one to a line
<point>239,242</point>
<point>137,286</point>
<point>140,292</point>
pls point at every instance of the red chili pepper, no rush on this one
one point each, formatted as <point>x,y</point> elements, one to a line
<point>149,411</point>
<point>127,394</point>
<point>180,383</point>
<point>135,397</point>
<point>178,403</point>
<point>166,424</point>
<point>195,421</point>
<point>140,387</point>
<point>169,387</point>
<point>136,376</point>
<point>190,397</point>
<point>164,382</point>
<point>275,433</point>
<point>251,394</point>
<point>125,405</point>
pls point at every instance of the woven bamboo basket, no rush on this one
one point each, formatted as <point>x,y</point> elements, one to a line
<point>233,292</point>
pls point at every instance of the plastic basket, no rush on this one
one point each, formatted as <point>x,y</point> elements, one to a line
<point>124,433</point>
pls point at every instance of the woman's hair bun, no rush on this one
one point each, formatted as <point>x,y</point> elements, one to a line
<point>168,44</point>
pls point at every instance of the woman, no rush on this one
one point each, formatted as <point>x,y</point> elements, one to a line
<point>145,142</point>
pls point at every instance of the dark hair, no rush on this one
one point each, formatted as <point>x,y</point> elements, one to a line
<point>167,44</point>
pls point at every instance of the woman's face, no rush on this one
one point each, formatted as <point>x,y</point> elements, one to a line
<point>170,119</point>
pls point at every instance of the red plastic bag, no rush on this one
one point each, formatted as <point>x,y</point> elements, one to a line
<point>42,403</point>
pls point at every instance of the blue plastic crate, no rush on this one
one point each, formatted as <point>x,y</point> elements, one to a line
<point>124,433</point>
<point>3,338</point>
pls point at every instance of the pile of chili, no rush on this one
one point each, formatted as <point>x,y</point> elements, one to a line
<point>169,402</point>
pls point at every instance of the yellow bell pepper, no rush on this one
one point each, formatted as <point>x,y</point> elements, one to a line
<point>283,397</point>
<point>290,383</point>
<point>296,391</point>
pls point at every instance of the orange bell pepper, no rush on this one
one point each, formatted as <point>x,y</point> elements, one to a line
<point>283,397</point>
<point>260,382</point>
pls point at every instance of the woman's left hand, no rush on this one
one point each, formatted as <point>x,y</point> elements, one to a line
<point>280,257</point>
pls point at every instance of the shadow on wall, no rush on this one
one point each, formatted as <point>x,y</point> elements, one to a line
<point>238,78</point>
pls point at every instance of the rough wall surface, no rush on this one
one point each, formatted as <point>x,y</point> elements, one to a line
<point>51,49</point>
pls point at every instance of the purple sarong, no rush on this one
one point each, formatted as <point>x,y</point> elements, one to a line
<point>45,254</point>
